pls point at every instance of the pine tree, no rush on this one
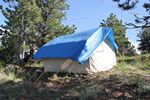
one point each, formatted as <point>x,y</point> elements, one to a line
<point>22,17</point>
<point>52,12</point>
<point>144,36</point>
<point>33,23</point>
<point>119,32</point>
<point>141,21</point>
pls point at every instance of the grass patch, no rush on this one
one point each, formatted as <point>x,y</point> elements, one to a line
<point>125,81</point>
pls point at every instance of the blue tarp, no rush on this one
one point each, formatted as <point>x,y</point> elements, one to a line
<point>76,46</point>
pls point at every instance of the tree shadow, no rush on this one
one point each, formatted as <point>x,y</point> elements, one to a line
<point>72,87</point>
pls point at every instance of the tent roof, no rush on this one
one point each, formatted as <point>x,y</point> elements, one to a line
<point>76,46</point>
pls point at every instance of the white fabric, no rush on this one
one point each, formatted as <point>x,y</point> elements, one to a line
<point>102,59</point>
<point>64,65</point>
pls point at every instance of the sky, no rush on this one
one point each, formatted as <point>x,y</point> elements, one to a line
<point>87,14</point>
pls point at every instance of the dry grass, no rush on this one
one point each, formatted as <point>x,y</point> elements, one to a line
<point>125,81</point>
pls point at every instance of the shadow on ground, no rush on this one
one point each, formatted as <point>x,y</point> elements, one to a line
<point>76,87</point>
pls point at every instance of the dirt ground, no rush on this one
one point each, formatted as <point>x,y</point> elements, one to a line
<point>102,86</point>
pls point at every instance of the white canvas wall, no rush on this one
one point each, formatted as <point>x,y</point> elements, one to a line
<point>64,65</point>
<point>102,59</point>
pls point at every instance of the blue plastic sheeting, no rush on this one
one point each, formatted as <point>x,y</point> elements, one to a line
<point>76,46</point>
